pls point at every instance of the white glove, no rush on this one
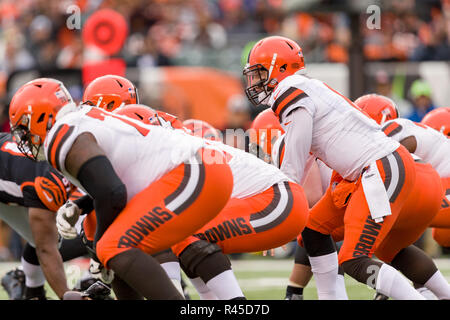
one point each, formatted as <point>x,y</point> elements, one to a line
<point>66,218</point>
<point>98,271</point>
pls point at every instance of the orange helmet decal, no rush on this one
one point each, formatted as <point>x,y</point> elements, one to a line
<point>202,129</point>
<point>110,91</point>
<point>266,130</point>
<point>378,107</point>
<point>270,61</point>
<point>33,110</point>
<point>438,119</point>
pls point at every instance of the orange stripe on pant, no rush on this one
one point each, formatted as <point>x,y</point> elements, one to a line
<point>148,224</point>
<point>261,222</point>
<point>361,234</point>
<point>442,219</point>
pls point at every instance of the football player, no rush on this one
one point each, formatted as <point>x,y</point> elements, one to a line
<point>31,193</point>
<point>439,119</point>
<point>427,140</point>
<point>429,146</point>
<point>378,170</point>
<point>201,129</point>
<point>150,186</point>
<point>265,211</point>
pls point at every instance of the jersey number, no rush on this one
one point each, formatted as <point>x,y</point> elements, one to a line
<point>100,115</point>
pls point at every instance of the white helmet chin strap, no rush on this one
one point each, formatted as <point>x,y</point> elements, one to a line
<point>383,119</point>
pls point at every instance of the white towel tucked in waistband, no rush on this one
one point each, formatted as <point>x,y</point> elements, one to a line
<point>375,193</point>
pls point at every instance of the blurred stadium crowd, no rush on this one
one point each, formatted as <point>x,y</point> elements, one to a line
<point>34,34</point>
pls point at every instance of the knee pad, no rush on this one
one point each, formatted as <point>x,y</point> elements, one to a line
<point>165,256</point>
<point>203,259</point>
<point>29,255</point>
<point>316,243</point>
<point>301,257</point>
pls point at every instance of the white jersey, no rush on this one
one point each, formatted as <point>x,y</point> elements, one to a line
<point>341,135</point>
<point>140,154</point>
<point>432,146</point>
<point>251,175</point>
<point>277,160</point>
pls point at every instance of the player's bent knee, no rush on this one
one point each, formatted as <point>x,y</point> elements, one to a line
<point>165,256</point>
<point>362,269</point>
<point>203,259</point>
<point>316,243</point>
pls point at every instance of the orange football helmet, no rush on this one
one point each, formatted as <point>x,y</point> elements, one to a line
<point>438,119</point>
<point>271,60</point>
<point>267,129</point>
<point>149,116</point>
<point>378,107</point>
<point>33,110</point>
<point>110,91</point>
<point>202,129</point>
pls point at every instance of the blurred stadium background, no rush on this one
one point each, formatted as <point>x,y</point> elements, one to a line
<point>186,58</point>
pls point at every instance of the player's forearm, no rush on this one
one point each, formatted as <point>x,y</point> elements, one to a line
<point>53,268</point>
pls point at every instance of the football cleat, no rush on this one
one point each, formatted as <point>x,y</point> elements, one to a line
<point>98,291</point>
<point>37,293</point>
<point>14,284</point>
<point>380,296</point>
<point>294,297</point>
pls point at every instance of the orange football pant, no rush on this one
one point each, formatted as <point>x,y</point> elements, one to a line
<point>442,219</point>
<point>420,209</point>
<point>362,235</point>
<point>264,221</point>
<point>442,236</point>
<point>168,210</point>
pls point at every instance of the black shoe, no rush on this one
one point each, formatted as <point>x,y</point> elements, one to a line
<point>84,283</point>
<point>294,297</point>
<point>98,291</point>
<point>380,296</point>
<point>37,293</point>
<point>14,284</point>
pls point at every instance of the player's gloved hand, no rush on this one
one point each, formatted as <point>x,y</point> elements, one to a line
<point>66,218</point>
<point>99,272</point>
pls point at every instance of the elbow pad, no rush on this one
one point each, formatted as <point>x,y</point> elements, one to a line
<point>98,177</point>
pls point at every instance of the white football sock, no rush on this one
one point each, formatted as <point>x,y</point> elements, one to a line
<point>34,276</point>
<point>173,270</point>
<point>341,292</point>
<point>202,289</point>
<point>325,270</point>
<point>426,293</point>
<point>439,286</point>
<point>225,286</point>
<point>392,284</point>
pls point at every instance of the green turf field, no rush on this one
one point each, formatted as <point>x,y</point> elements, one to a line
<point>262,278</point>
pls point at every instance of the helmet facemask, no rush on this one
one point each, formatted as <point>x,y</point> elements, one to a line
<point>29,144</point>
<point>257,80</point>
